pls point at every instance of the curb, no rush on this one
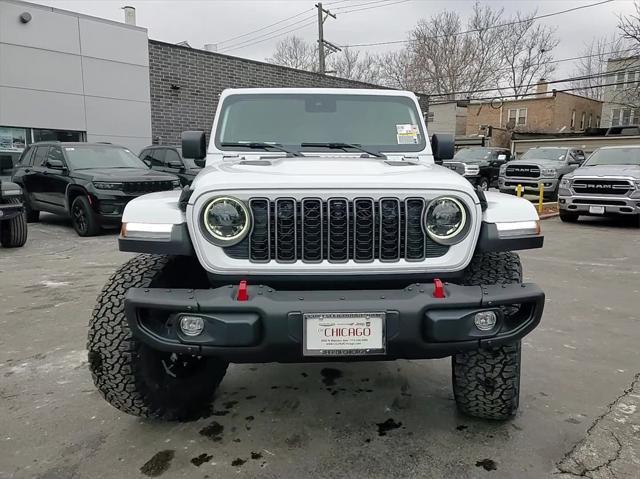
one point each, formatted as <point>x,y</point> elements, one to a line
<point>549,215</point>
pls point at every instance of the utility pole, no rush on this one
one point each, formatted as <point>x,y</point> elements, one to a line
<point>322,43</point>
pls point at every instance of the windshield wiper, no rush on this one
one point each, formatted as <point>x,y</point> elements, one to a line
<point>261,145</point>
<point>344,146</point>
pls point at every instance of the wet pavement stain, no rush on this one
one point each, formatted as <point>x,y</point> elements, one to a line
<point>158,464</point>
<point>461,427</point>
<point>224,412</point>
<point>249,418</point>
<point>329,376</point>
<point>237,462</point>
<point>304,375</point>
<point>251,397</point>
<point>213,431</point>
<point>386,426</point>
<point>229,404</point>
<point>487,464</point>
<point>201,459</point>
<point>256,455</point>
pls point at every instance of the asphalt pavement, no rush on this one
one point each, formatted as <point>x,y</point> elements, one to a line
<point>579,405</point>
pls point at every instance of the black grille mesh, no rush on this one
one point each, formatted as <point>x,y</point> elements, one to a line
<point>338,230</point>
<point>601,187</point>
<point>141,187</point>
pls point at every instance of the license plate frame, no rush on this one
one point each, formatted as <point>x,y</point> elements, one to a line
<point>347,345</point>
<point>596,210</point>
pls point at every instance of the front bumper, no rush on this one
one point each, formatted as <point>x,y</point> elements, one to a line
<point>613,205</point>
<point>268,327</point>
<point>9,211</point>
<point>528,184</point>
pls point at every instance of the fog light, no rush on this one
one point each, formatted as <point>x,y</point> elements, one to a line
<point>191,325</point>
<point>485,320</point>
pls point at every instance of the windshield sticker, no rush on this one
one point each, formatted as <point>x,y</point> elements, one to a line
<point>407,134</point>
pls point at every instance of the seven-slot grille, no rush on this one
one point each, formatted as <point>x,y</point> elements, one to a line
<point>601,187</point>
<point>141,187</point>
<point>523,171</point>
<point>338,230</point>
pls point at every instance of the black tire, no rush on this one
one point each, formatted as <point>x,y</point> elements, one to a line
<point>483,184</point>
<point>132,376</point>
<point>13,232</point>
<point>568,216</point>
<point>486,382</point>
<point>83,218</point>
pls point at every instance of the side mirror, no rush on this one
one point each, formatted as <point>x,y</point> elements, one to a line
<point>442,147</point>
<point>177,165</point>
<point>55,164</point>
<point>194,145</point>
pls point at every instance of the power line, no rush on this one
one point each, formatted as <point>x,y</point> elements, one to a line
<point>371,8</point>
<point>551,82</point>
<point>476,30</point>
<point>265,27</point>
<point>252,42</point>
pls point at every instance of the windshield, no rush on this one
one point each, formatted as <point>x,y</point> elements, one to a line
<point>557,154</point>
<point>617,156</point>
<point>474,154</point>
<point>88,157</point>
<point>375,122</point>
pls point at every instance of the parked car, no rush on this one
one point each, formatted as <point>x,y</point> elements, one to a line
<point>607,184</point>
<point>89,182</point>
<point>479,165</point>
<point>169,159</point>
<point>544,165</point>
<point>323,235</point>
<point>13,222</point>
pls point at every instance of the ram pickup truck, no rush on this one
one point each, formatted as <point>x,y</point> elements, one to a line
<point>538,166</point>
<point>479,165</point>
<point>607,184</point>
<point>320,230</point>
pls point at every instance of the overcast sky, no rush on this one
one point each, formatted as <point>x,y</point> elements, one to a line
<point>217,21</point>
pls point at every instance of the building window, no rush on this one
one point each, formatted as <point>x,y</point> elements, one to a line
<point>615,117</point>
<point>518,116</point>
<point>583,118</point>
<point>431,116</point>
<point>573,119</point>
<point>597,122</point>
<point>57,135</point>
<point>590,120</point>
<point>620,81</point>
<point>626,117</point>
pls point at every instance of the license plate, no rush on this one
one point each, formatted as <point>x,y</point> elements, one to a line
<point>344,334</point>
<point>596,210</point>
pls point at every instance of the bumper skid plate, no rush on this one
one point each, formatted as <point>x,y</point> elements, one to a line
<point>269,325</point>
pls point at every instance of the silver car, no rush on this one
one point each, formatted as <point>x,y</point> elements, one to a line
<point>607,184</point>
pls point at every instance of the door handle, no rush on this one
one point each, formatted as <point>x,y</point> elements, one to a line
<point>27,170</point>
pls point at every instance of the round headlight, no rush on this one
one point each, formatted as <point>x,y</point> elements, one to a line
<point>226,220</point>
<point>446,220</point>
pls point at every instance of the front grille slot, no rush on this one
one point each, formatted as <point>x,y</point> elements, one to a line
<point>313,230</point>
<point>523,171</point>
<point>142,187</point>
<point>601,187</point>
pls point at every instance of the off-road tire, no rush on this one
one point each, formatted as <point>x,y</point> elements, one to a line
<point>13,232</point>
<point>132,376</point>
<point>568,217</point>
<point>486,382</point>
<point>484,181</point>
<point>83,218</point>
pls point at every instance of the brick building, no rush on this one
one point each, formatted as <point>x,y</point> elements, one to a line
<point>545,113</point>
<point>186,84</point>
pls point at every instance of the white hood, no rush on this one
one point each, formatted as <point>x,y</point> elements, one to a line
<point>327,172</point>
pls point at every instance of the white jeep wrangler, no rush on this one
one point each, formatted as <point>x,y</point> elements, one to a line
<point>321,229</point>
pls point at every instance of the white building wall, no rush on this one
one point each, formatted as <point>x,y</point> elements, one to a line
<point>621,106</point>
<point>68,71</point>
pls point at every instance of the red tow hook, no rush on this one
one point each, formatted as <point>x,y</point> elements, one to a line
<point>438,289</point>
<point>243,294</point>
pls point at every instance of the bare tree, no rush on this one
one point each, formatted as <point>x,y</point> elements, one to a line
<point>592,67</point>
<point>630,26</point>
<point>627,69</point>
<point>447,60</point>
<point>526,51</point>
<point>294,52</point>
<point>355,65</point>
<point>399,70</point>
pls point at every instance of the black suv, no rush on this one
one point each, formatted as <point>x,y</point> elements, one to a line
<point>480,165</point>
<point>13,224</point>
<point>89,182</point>
<point>169,159</point>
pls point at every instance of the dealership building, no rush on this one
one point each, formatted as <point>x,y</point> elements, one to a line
<point>71,77</point>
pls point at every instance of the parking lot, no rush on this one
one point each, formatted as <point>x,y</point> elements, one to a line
<point>375,420</point>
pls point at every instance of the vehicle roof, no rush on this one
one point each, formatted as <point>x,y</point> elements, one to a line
<point>74,143</point>
<point>553,147</point>
<point>618,147</point>
<point>484,148</point>
<point>325,91</point>
<point>162,146</point>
